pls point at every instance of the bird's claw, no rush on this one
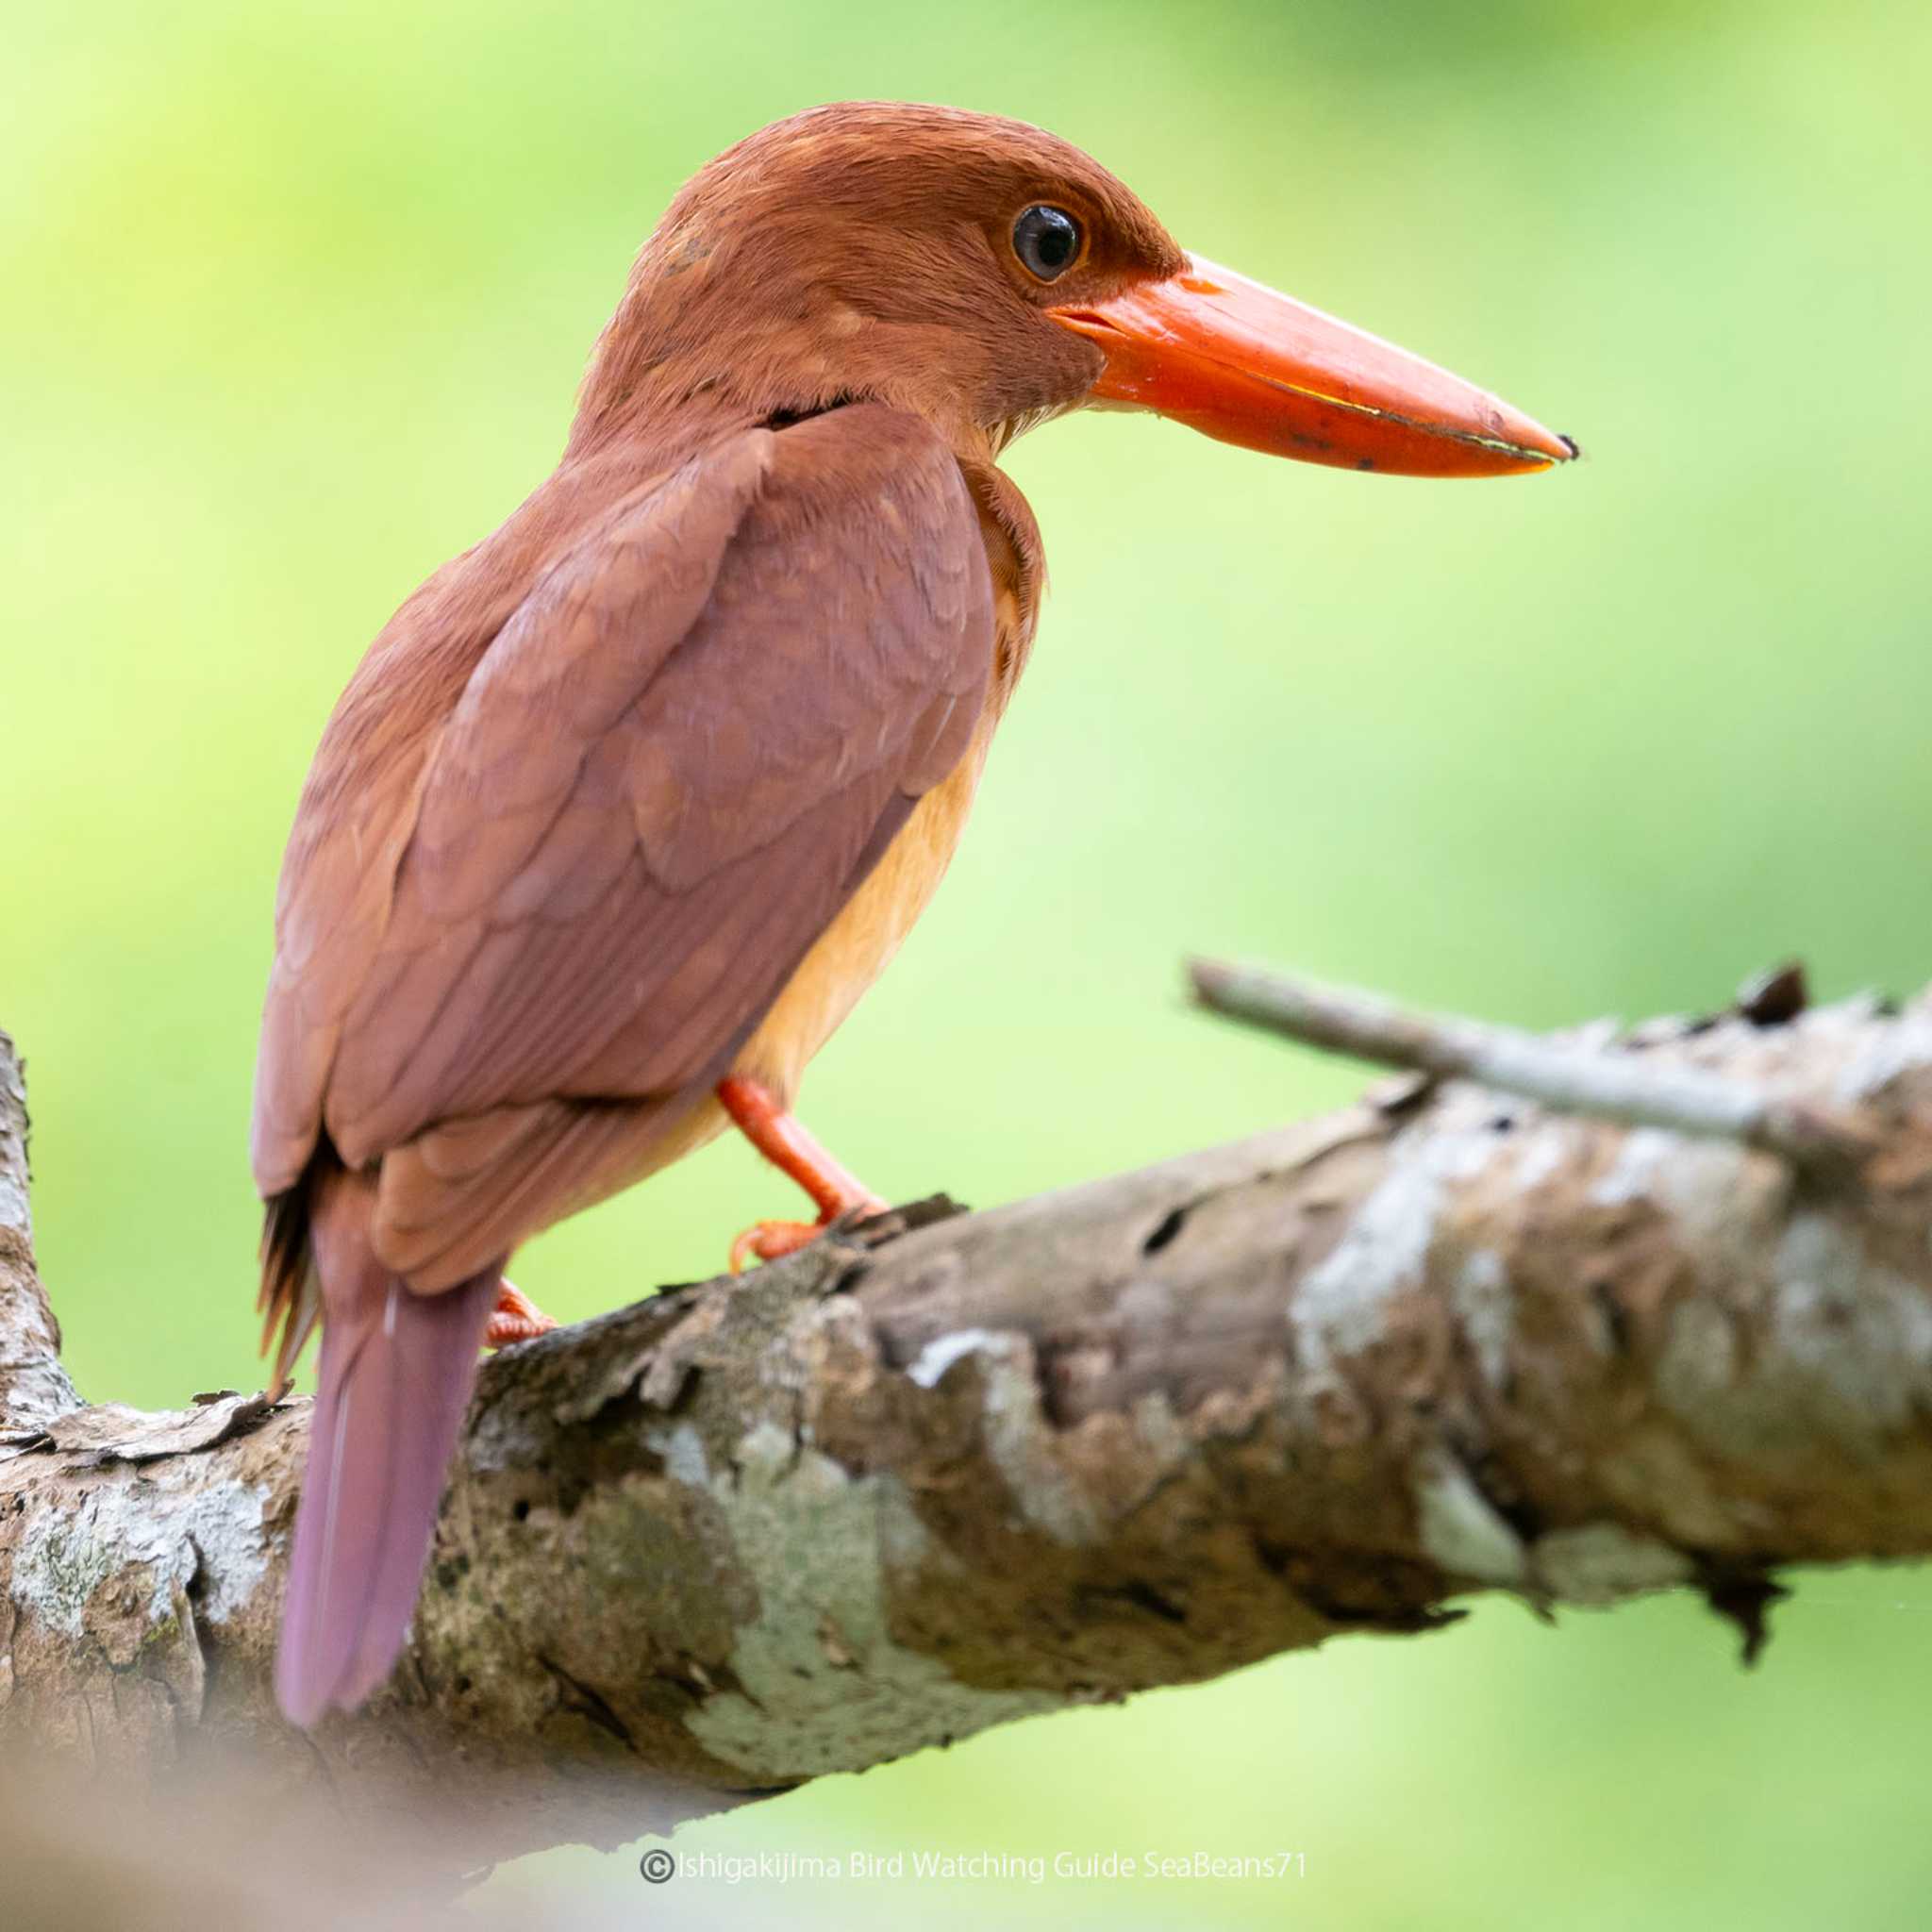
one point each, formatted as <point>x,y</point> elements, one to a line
<point>771,1240</point>
<point>515,1318</point>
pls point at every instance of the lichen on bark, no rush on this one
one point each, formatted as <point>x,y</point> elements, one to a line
<point>1336,1378</point>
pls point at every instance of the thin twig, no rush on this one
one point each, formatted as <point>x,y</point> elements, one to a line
<point>1556,1074</point>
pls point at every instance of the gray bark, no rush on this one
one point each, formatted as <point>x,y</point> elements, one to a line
<point>1334,1378</point>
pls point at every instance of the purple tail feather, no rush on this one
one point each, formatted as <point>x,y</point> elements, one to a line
<point>397,1372</point>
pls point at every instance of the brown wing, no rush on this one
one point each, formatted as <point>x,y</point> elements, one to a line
<point>673,763</point>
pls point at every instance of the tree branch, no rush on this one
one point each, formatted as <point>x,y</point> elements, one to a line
<point>34,1386</point>
<point>1140,1432</point>
<point>1568,1077</point>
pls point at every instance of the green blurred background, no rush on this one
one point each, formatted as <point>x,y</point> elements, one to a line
<point>296,300</point>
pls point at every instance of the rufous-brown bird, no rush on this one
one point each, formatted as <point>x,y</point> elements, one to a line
<point>628,804</point>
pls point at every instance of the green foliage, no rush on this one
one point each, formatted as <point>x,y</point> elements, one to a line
<point>297,297</point>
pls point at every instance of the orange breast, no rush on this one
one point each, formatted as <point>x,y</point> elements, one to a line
<point>857,947</point>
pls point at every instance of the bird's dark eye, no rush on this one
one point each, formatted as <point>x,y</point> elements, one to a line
<point>1047,240</point>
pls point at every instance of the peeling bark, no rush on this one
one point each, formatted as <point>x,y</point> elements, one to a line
<point>1141,1432</point>
<point>33,1385</point>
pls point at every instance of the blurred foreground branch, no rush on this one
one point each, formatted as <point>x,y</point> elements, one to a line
<point>1140,1432</point>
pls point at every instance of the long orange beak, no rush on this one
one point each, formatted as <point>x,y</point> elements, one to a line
<point>1241,364</point>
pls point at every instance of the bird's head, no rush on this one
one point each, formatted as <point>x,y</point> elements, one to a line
<point>990,276</point>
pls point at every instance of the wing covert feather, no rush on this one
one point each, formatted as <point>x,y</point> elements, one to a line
<point>676,760</point>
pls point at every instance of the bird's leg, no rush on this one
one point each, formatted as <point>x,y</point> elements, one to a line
<point>516,1318</point>
<point>783,1140</point>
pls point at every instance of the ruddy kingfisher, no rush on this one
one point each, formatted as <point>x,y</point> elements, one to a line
<point>628,804</point>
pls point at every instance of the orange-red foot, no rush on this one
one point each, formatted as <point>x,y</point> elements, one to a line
<point>771,1240</point>
<point>783,1141</point>
<point>516,1318</point>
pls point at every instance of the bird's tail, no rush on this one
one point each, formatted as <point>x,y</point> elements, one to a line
<point>395,1376</point>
